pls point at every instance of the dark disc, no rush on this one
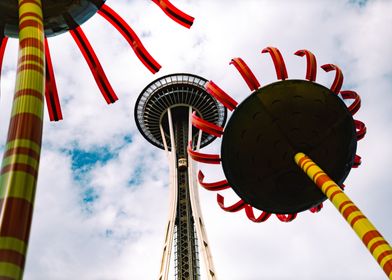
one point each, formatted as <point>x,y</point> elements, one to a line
<point>59,15</point>
<point>273,124</point>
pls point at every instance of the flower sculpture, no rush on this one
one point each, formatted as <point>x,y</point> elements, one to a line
<point>63,16</point>
<point>265,141</point>
<point>270,126</point>
<point>33,21</point>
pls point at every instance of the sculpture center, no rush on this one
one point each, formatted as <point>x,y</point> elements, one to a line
<point>59,15</point>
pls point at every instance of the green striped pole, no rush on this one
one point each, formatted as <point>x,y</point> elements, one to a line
<point>19,170</point>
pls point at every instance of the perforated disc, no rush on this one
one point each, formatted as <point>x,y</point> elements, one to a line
<point>269,127</point>
<point>59,15</point>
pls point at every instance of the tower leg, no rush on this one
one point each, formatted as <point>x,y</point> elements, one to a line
<point>196,210</point>
<point>373,240</point>
<point>18,176</point>
<point>168,245</point>
<point>187,261</point>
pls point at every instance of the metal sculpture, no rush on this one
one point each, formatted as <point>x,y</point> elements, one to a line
<point>32,20</point>
<point>163,114</point>
<point>280,122</point>
<point>63,16</point>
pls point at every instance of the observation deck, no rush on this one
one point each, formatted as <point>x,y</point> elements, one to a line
<point>172,91</point>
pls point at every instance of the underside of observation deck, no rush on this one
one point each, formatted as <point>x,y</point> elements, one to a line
<point>175,91</point>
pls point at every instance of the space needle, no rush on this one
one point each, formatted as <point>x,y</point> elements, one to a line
<point>163,114</point>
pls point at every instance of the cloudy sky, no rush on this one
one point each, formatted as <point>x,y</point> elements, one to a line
<point>102,197</point>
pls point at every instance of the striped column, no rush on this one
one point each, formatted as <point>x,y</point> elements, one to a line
<point>376,244</point>
<point>19,170</point>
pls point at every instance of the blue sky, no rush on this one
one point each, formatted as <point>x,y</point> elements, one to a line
<point>102,196</point>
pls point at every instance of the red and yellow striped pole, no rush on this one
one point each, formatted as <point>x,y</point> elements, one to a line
<point>373,240</point>
<point>18,176</point>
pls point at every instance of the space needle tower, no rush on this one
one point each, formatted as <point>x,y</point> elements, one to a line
<point>163,114</point>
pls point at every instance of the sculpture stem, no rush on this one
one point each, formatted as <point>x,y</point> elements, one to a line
<point>19,171</point>
<point>373,240</point>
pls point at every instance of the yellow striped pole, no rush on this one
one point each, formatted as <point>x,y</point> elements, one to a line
<point>373,240</point>
<point>19,170</point>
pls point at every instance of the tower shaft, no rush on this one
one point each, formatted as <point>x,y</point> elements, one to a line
<point>187,265</point>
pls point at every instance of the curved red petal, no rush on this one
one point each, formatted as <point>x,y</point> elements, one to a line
<point>201,157</point>
<point>174,13</point>
<point>251,216</point>
<point>215,186</point>
<point>286,217</point>
<point>311,64</point>
<point>51,94</point>
<point>206,126</point>
<point>94,64</point>
<point>349,94</point>
<point>232,208</point>
<point>279,64</point>
<point>357,161</point>
<point>316,208</point>
<point>361,129</point>
<point>3,45</point>
<point>220,95</point>
<point>126,31</point>
<point>338,82</point>
<point>246,73</point>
